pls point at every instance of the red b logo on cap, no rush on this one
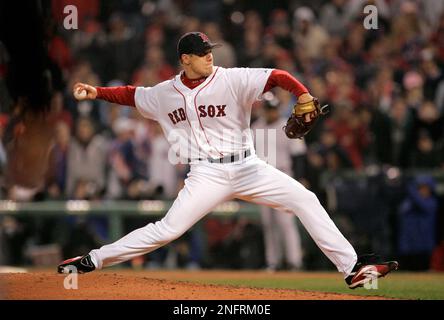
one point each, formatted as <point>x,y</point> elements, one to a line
<point>204,37</point>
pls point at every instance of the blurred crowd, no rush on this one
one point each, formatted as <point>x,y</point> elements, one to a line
<point>384,86</point>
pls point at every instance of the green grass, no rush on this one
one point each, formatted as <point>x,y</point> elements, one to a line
<point>417,286</point>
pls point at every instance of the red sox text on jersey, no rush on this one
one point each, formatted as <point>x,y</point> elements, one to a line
<point>204,111</point>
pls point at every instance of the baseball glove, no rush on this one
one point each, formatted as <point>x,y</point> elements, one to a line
<point>303,118</point>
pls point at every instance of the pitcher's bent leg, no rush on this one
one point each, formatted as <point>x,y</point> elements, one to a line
<point>268,186</point>
<point>199,196</point>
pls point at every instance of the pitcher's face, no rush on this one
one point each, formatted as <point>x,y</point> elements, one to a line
<point>198,66</point>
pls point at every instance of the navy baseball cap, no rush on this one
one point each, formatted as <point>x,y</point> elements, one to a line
<point>196,43</point>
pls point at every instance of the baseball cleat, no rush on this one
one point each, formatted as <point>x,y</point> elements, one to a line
<point>80,264</point>
<point>365,271</point>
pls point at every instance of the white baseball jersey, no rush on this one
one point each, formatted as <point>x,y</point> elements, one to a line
<point>211,120</point>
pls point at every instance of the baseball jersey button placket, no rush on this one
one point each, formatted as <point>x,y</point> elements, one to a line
<point>190,102</point>
<point>194,123</point>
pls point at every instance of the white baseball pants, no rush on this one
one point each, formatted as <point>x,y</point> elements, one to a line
<point>209,184</point>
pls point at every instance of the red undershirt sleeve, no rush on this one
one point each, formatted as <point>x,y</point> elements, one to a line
<point>123,95</point>
<point>281,78</point>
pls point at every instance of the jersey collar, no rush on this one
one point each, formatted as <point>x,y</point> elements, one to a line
<point>179,84</point>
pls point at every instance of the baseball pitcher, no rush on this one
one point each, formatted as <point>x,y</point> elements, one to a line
<point>204,112</point>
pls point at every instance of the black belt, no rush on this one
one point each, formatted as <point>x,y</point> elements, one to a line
<point>227,159</point>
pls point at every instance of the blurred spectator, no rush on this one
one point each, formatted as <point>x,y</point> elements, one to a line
<point>417,219</point>
<point>163,174</point>
<point>249,47</point>
<point>350,133</point>
<point>342,88</point>
<point>190,24</point>
<point>88,43</point>
<point>387,89</point>
<point>86,162</point>
<point>280,29</point>
<point>377,63</point>
<point>400,142</point>
<point>122,51</point>
<point>334,17</point>
<point>308,36</point>
<point>413,83</point>
<point>431,12</point>
<point>224,56</point>
<point>334,156</point>
<point>59,159</point>
<point>426,155</point>
<point>155,36</point>
<point>332,58</point>
<point>433,75</point>
<point>59,51</point>
<point>272,53</point>
<point>207,10</point>
<point>427,118</point>
<point>324,155</point>
<point>409,32</point>
<point>253,22</point>
<point>417,13</point>
<point>158,35</point>
<point>154,69</point>
<point>59,110</point>
<point>127,180</point>
<point>250,54</point>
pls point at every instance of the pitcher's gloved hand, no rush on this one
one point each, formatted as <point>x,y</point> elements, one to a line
<point>303,118</point>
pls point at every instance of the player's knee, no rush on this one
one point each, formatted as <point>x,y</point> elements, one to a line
<point>312,198</point>
<point>169,235</point>
<point>169,232</point>
<point>307,197</point>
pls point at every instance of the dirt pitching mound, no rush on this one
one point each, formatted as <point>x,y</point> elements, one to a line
<point>149,285</point>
